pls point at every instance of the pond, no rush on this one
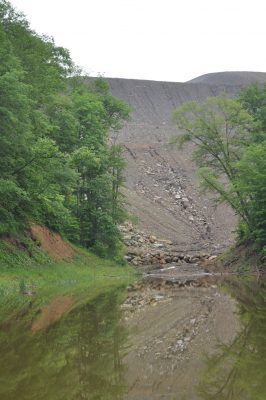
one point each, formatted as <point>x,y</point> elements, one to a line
<point>159,351</point>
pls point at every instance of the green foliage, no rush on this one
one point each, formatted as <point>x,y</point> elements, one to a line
<point>253,99</point>
<point>14,204</point>
<point>56,165</point>
<point>229,139</point>
<point>221,130</point>
<point>252,183</point>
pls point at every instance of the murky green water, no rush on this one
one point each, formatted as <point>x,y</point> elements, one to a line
<point>238,371</point>
<point>81,356</point>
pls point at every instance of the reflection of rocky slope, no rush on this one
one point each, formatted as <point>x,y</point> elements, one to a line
<point>173,328</point>
<point>161,184</point>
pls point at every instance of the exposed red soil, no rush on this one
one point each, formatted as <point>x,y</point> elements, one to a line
<point>52,312</point>
<point>52,242</point>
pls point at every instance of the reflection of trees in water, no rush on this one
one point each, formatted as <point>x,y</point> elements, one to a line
<point>238,370</point>
<point>77,358</point>
<point>98,357</point>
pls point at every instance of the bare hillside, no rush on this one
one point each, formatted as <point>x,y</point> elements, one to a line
<point>161,182</point>
<point>235,78</point>
<point>152,104</point>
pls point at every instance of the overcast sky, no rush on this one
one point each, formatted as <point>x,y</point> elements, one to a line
<point>169,40</point>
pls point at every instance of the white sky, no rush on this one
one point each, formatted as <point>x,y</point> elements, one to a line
<point>169,40</point>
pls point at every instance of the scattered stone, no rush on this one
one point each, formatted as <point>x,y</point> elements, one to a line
<point>144,249</point>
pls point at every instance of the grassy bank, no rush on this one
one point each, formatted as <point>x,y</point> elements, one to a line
<point>240,259</point>
<point>29,279</point>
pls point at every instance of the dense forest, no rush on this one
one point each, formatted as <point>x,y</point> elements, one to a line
<point>58,167</point>
<point>229,136</point>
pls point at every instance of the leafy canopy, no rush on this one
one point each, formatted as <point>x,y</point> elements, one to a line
<point>225,134</point>
<point>56,165</point>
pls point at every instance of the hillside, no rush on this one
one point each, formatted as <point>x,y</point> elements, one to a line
<point>239,78</point>
<point>161,183</point>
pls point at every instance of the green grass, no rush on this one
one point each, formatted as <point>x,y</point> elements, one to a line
<point>83,277</point>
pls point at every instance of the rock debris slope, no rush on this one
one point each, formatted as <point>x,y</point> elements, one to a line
<point>161,182</point>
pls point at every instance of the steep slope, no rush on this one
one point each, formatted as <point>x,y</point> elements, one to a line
<point>161,182</point>
<point>152,103</point>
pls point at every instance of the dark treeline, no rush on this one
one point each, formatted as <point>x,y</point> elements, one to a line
<point>56,165</point>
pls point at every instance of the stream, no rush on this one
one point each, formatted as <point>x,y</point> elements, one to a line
<point>198,342</point>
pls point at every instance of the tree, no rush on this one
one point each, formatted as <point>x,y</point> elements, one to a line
<point>253,99</point>
<point>57,166</point>
<point>99,166</point>
<point>229,148</point>
<point>252,185</point>
<point>252,167</point>
<point>221,130</point>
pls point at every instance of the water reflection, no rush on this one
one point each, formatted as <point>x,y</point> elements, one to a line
<point>77,358</point>
<point>238,370</point>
